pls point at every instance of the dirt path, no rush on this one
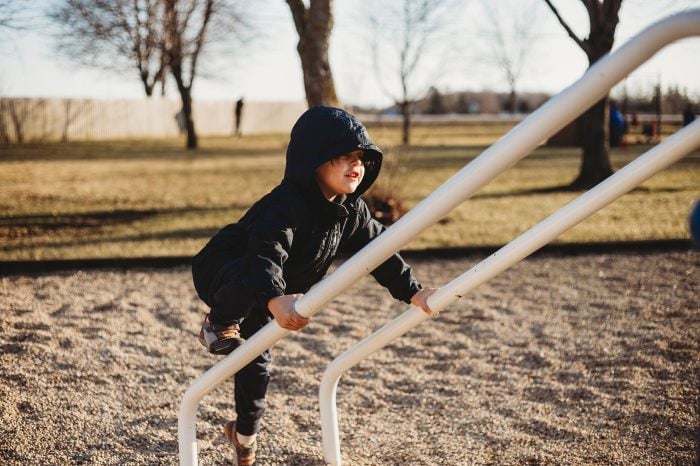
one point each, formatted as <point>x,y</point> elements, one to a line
<point>562,359</point>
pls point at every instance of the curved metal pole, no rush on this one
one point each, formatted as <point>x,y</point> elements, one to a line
<point>671,150</point>
<point>520,141</point>
<point>349,358</point>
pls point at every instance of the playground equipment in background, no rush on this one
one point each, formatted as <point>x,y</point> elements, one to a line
<point>515,145</point>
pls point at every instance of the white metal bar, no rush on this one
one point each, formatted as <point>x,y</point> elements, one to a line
<point>349,358</point>
<point>520,141</point>
<point>671,150</point>
<point>215,376</point>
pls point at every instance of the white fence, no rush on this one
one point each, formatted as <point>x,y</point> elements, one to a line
<point>44,120</point>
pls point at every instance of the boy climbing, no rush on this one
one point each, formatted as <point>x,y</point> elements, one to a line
<point>255,269</point>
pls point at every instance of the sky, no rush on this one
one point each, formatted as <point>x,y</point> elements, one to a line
<point>461,58</point>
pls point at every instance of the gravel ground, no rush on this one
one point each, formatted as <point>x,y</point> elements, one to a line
<point>562,359</point>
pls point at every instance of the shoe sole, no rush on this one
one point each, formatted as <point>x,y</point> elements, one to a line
<point>219,350</point>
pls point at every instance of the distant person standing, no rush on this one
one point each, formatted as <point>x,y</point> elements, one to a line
<point>688,115</point>
<point>649,131</point>
<point>239,113</point>
<point>616,125</point>
<point>694,224</point>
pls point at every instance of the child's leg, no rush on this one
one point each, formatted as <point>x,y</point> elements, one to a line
<point>251,381</point>
<point>230,302</point>
<point>251,386</point>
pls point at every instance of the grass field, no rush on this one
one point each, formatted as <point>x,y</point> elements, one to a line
<point>153,198</point>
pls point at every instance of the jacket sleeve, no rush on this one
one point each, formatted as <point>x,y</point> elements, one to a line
<point>394,274</point>
<point>257,277</point>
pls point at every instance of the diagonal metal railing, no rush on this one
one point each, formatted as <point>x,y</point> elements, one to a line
<point>520,141</point>
<point>671,150</point>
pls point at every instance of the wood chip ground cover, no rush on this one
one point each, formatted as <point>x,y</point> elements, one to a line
<point>586,359</point>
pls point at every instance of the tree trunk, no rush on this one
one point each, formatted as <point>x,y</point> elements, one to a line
<point>512,101</point>
<point>4,131</point>
<point>67,120</point>
<point>189,122</point>
<point>406,128</point>
<point>17,122</point>
<point>314,26</point>
<point>318,79</point>
<point>186,97</point>
<point>595,162</point>
<point>603,18</point>
<point>147,86</point>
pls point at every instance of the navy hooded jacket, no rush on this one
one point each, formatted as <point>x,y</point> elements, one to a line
<point>288,239</point>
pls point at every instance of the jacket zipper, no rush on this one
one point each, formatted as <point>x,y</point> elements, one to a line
<point>330,245</point>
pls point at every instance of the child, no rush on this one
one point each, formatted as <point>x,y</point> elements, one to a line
<point>254,270</point>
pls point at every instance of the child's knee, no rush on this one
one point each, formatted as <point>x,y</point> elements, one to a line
<point>231,300</point>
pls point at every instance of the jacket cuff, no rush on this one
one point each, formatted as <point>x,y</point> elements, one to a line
<point>266,295</point>
<point>403,289</point>
<point>414,288</point>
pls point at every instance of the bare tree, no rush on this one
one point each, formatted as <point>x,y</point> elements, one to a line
<point>16,17</point>
<point>314,25</point>
<point>4,121</point>
<point>510,40</point>
<point>185,31</point>
<point>603,18</point>
<point>155,35</point>
<point>114,34</point>
<point>20,119</point>
<point>190,27</point>
<point>403,36</point>
<point>9,14</point>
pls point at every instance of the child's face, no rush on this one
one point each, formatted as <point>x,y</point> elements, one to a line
<point>341,175</point>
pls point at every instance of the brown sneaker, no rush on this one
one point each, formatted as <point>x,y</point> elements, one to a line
<point>220,339</point>
<point>245,456</point>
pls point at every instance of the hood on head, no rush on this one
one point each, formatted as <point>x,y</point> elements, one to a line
<point>323,133</point>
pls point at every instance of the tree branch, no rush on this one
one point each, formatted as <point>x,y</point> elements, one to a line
<point>569,31</point>
<point>208,10</point>
<point>374,47</point>
<point>298,14</point>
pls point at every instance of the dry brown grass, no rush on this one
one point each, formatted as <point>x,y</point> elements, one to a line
<point>152,198</point>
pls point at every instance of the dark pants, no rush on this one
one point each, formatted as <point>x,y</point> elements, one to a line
<point>251,381</point>
<point>231,303</point>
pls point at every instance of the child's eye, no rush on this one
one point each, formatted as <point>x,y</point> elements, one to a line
<point>349,158</point>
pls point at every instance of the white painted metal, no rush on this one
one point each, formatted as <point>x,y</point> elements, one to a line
<point>520,141</point>
<point>215,376</point>
<point>655,160</point>
<point>353,355</point>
